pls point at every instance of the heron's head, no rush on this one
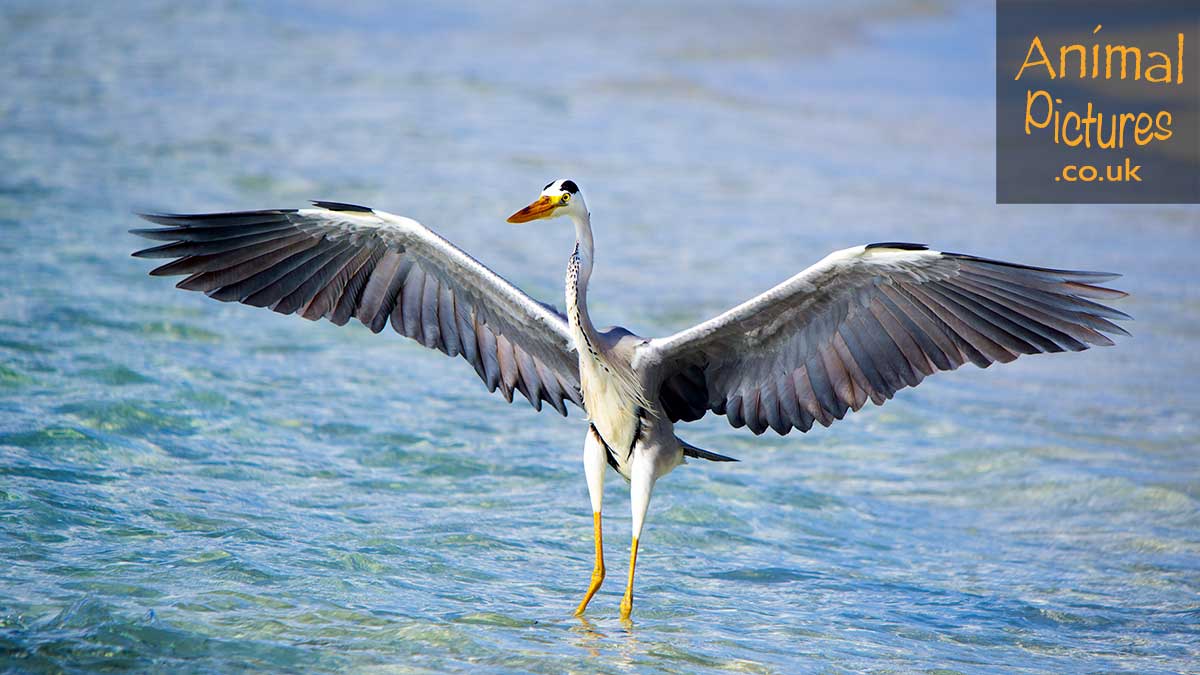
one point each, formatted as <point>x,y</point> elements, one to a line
<point>559,198</point>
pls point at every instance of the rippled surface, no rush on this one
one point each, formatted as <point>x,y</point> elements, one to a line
<point>188,485</point>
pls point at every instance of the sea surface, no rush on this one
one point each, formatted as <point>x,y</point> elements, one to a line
<point>195,487</point>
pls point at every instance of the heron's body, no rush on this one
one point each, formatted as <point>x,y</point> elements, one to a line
<point>611,396</point>
<point>859,325</point>
<point>617,406</point>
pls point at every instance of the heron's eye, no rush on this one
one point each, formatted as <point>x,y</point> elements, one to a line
<point>565,198</point>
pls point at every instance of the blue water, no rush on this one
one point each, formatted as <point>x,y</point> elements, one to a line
<point>189,486</point>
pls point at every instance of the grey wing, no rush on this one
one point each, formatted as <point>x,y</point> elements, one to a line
<point>339,261</point>
<point>864,323</point>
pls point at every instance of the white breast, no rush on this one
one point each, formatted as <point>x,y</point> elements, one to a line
<point>609,408</point>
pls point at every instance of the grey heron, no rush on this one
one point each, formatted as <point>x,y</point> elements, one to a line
<point>859,325</point>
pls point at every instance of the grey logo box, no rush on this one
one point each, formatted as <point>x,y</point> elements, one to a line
<point>1087,134</point>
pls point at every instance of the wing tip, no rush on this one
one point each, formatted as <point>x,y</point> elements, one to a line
<point>171,219</point>
<point>1090,276</point>
<point>160,218</point>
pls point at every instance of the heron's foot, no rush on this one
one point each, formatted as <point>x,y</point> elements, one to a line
<point>597,580</point>
<point>627,605</point>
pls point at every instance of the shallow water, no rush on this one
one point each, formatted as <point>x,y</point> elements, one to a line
<point>192,486</point>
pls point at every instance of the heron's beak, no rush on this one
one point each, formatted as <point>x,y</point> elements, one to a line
<point>542,208</point>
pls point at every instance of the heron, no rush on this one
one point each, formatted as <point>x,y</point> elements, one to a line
<point>857,326</point>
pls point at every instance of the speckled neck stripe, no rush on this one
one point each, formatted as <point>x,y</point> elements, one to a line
<point>573,284</point>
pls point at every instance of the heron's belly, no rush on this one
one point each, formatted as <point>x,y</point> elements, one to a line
<point>614,415</point>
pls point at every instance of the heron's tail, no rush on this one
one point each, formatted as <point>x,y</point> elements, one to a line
<point>690,450</point>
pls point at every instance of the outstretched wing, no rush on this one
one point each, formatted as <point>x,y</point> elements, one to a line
<point>339,261</point>
<point>864,323</point>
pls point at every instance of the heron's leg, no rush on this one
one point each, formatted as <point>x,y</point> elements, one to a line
<point>594,465</point>
<point>641,483</point>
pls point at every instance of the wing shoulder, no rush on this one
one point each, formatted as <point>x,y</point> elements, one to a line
<point>834,277</point>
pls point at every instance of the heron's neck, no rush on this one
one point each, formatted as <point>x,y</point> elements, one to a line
<point>579,272</point>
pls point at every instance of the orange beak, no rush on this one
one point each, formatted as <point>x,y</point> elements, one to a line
<point>541,208</point>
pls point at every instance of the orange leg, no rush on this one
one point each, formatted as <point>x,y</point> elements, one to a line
<point>597,570</point>
<point>627,601</point>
